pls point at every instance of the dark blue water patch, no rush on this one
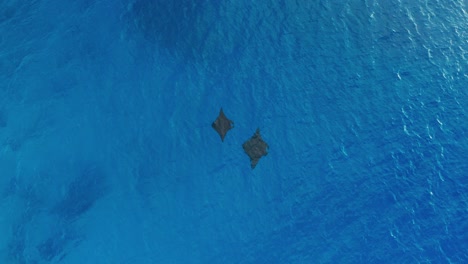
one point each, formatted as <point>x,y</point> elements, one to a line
<point>191,33</point>
<point>171,24</point>
<point>52,248</point>
<point>7,13</point>
<point>28,244</point>
<point>10,10</point>
<point>60,86</point>
<point>82,193</point>
<point>25,246</point>
<point>55,247</point>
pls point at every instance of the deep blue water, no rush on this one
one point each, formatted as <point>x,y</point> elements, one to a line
<point>107,154</point>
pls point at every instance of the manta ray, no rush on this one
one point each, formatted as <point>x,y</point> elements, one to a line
<point>222,124</point>
<point>255,148</point>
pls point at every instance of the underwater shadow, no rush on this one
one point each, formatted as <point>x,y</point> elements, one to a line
<point>176,25</point>
<point>82,193</point>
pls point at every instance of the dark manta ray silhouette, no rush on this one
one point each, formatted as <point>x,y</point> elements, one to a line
<point>255,147</point>
<point>222,124</point>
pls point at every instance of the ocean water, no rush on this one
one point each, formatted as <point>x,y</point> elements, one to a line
<point>107,154</point>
